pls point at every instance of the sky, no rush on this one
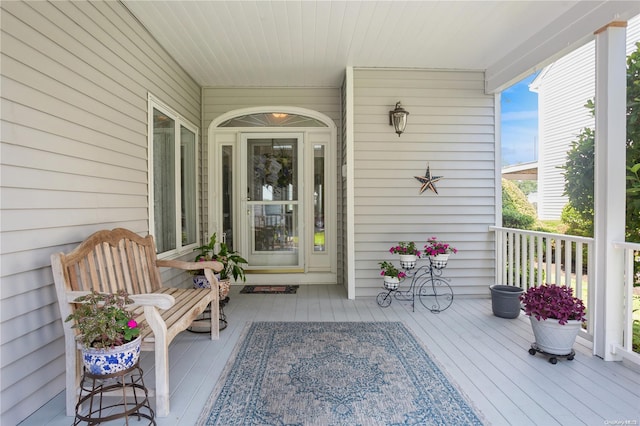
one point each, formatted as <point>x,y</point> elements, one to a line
<point>519,123</point>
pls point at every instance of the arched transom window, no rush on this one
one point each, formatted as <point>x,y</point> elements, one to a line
<point>272,119</point>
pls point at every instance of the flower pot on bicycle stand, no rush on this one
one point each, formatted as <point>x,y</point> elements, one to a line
<point>391,283</point>
<point>408,261</point>
<point>439,261</point>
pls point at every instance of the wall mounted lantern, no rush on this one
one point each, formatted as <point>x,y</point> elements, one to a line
<point>398,118</point>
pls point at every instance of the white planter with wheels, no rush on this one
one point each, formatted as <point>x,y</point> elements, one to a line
<point>554,338</point>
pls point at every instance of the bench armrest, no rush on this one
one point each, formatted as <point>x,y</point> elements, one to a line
<point>190,266</point>
<point>162,301</point>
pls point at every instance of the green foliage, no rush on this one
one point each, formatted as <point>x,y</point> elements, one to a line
<point>517,212</point>
<point>527,186</point>
<point>633,200</point>
<point>512,218</point>
<point>575,223</point>
<point>231,260</point>
<point>579,175</point>
<point>579,168</point>
<point>103,321</point>
<point>387,269</point>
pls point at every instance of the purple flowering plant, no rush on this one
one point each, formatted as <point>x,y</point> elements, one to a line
<point>405,248</point>
<point>553,301</point>
<point>435,247</point>
<point>388,270</point>
<point>103,321</point>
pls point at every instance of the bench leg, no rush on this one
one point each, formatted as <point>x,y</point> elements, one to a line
<point>73,376</point>
<point>215,319</point>
<point>162,378</point>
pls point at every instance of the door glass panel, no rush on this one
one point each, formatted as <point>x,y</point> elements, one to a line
<point>274,166</point>
<point>228,236</point>
<point>318,198</point>
<point>272,206</point>
<point>275,227</point>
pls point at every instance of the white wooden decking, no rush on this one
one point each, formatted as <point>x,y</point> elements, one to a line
<point>486,356</point>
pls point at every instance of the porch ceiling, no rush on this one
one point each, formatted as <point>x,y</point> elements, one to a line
<point>309,43</point>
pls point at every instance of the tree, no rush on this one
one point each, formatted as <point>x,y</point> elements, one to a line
<point>579,168</point>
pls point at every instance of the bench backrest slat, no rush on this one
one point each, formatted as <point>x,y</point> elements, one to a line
<point>111,260</point>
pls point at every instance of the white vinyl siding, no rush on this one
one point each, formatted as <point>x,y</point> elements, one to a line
<point>563,89</point>
<point>562,116</point>
<point>451,129</point>
<point>75,78</point>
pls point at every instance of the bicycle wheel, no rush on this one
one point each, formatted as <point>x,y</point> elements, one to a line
<point>435,294</point>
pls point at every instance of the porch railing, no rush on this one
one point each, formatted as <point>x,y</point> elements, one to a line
<point>631,258</point>
<point>528,258</point>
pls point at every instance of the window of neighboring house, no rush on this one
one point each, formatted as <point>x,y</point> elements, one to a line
<point>173,179</point>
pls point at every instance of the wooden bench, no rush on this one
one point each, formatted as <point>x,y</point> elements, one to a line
<point>109,261</point>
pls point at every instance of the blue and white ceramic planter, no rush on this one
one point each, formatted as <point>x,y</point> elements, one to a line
<point>109,361</point>
<point>200,281</point>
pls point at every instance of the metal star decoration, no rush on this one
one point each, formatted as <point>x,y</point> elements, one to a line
<point>428,181</point>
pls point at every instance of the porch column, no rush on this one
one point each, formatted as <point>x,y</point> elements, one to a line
<point>609,187</point>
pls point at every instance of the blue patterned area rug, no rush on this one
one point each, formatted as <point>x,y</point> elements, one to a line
<point>326,373</point>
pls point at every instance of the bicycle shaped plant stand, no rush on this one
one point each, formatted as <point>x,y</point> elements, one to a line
<point>427,283</point>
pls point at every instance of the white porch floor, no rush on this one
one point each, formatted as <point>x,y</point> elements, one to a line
<point>486,356</point>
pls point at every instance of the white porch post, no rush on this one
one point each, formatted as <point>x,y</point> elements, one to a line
<point>609,186</point>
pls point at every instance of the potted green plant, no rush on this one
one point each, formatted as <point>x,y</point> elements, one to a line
<point>438,252</point>
<point>108,332</point>
<point>556,317</point>
<point>232,263</point>
<point>408,253</point>
<point>391,274</point>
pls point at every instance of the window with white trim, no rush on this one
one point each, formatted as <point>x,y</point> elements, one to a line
<point>173,180</point>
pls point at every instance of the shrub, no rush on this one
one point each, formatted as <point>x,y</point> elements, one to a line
<point>517,212</point>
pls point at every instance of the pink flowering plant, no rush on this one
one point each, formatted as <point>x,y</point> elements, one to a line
<point>405,248</point>
<point>553,301</point>
<point>388,270</point>
<point>435,247</point>
<point>103,321</point>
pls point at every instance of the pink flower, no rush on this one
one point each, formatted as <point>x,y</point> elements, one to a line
<point>132,323</point>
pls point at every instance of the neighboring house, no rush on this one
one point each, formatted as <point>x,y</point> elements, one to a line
<point>102,128</point>
<point>523,171</point>
<point>564,88</point>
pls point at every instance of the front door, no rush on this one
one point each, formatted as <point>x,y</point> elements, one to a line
<point>272,226</point>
